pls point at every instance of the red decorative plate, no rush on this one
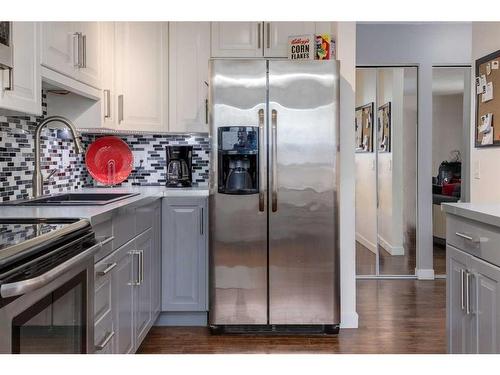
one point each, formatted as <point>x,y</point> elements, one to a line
<point>109,160</point>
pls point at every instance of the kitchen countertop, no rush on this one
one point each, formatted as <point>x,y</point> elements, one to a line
<point>488,213</point>
<point>97,213</point>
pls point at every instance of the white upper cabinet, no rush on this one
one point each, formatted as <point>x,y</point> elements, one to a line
<point>109,98</point>
<point>237,39</point>
<point>89,73</point>
<point>189,51</point>
<point>25,95</point>
<point>72,49</point>
<point>57,47</point>
<point>141,75</point>
<point>257,39</point>
<point>276,36</point>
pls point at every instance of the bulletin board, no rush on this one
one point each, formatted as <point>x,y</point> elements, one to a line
<point>384,124</point>
<point>488,71</point>
<point>363,127</point>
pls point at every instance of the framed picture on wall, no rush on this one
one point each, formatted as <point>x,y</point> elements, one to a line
<point>363,127</point>
<point>487,134</point>
<point>384,128</point>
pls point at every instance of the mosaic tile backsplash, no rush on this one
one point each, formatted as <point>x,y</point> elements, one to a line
<point>150,148</point>
<point>17,158</point>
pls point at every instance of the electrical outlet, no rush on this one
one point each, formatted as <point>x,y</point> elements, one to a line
<point>477,170</point>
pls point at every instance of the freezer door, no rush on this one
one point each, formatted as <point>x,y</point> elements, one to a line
<point>238,223</point>
<point>303,141</point>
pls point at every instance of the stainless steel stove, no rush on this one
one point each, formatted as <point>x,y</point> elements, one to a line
<point>46,285</point>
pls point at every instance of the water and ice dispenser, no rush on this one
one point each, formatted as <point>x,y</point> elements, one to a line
<point>238,160</point>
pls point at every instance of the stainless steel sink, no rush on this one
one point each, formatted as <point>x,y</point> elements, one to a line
<point>72,199</point>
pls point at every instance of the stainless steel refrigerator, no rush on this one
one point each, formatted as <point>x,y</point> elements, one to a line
<point>274,251</point>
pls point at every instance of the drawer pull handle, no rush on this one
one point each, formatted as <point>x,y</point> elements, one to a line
<point>107,269</point>
<point>105,341</point>
<point>466,237</point>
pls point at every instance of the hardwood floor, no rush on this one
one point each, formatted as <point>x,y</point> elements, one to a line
<point>395,316</point>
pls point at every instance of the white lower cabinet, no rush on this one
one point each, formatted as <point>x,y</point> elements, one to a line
<point>104,321</point>
<point>126,295</point>
<point>142,290</point>
<point>185,255</point>
<point>473,304</point>
<point>124,303</point>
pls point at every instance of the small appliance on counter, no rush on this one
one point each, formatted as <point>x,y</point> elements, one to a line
<point>46,285</point>
<point>179,164</point>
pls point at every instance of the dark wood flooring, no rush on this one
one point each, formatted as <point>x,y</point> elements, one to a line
<point>395,316</point>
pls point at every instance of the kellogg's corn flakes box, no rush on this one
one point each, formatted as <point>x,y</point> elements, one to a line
<point>301,47</point>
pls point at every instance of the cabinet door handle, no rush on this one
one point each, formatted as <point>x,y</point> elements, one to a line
<point>107,103</point>
<point>76,50</point>
<point>206,111</point>
<point>467,293</point>
<point>107,270</point>
<point>120,108</point>
<point>201,222</point>
<point>259,25</point>
<point>105,341</point>
<point>268,36</point>
<point>137,280</point>
<point>84,51</point>
<point>142,266</point>
<point>10,87</point>
<point>462,280</point>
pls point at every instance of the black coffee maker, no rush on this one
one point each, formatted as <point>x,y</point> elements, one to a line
<point>179,165</point>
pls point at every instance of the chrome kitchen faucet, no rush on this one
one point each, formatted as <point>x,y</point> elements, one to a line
<point>37,173</point>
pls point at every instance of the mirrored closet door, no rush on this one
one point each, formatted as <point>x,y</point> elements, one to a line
<point>386,171</point>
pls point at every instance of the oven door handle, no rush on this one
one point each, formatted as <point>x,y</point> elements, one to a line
<point>22,287</point>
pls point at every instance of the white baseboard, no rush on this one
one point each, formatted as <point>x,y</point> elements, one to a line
<point>424,274</point>
<point>366,243</point>
<point>393,250</point>
<point>349,320</point>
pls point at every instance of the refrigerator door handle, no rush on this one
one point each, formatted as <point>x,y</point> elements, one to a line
<point>261,160</point>
<point>274,151</point>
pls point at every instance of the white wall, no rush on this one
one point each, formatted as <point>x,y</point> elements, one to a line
<point>424,45</point>
<point>447,135</point>
<point>345,34</point>
<point>485,40</point>
<point>366,177</point>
